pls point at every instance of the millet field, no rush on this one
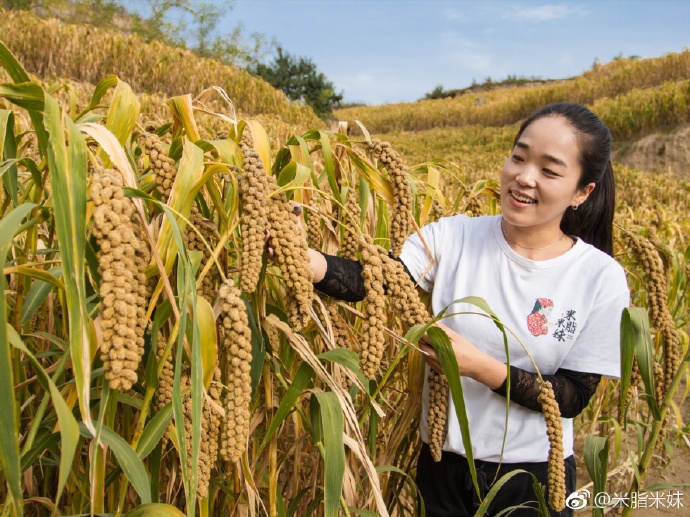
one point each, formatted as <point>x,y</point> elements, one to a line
<point>153,361</point>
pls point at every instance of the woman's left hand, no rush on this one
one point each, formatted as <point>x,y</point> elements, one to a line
<point>472,362</point>
<point>464,350</point>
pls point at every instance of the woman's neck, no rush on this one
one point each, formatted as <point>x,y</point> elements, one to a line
<point>541,243</point>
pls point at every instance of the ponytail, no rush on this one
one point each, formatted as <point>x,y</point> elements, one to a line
<point>593,220</point>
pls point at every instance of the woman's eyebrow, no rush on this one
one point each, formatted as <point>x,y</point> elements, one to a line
<point>523,145</point>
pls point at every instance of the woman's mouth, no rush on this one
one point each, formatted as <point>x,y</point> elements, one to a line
<point>521,198</point>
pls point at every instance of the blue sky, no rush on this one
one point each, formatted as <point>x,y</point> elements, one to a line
<point>386,51</point>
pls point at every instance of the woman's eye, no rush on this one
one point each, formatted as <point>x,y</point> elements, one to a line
<point>517,158</point>
<point>549,172</point>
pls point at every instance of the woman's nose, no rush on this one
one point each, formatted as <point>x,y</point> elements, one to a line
<point>527,176</point>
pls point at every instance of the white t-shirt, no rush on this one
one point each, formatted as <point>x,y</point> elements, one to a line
<point>566,311</point>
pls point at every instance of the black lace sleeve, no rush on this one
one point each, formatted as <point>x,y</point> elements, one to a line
<point>343,279</point>
<point>572,389</point>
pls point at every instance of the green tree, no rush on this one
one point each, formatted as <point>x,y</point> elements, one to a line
<point>301,81</point>
<point>437,93</point>
<point>184,23</point>
<point>193,24</point>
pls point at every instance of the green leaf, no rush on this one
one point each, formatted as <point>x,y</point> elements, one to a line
<point>410,478</point>
<point>68,177</point>
<point>292,508</point>
<point>69,430</point>
<point>491,494</point>
<point>346,358</point>
<point>128,459</point>
<point>656,487</point>
<point>374,177</point>
<point>329,164</point>
<point>183,113</point>
<point>635,335</point>
<point>342,356</point>
<point>627,350</point>
<point>28,163</point>
<point>19,75</point>
<point>122,116</point>
<point>27,95</point>
<point>8,151</point>
<point>332,425</point>
<point>596,453</point>
<point>13,67</point>
<point>295,172</point>
<point>441,343</point>
<point>228,151</point>
<point>37,294</point>
<point>102,88</point>
<point>182,196</point>
<point>204,319</point>
<point>258,348</point>
<point>9,438</point>
<point>154,431</point>
<point>43,444</point>
<point>302,378</point>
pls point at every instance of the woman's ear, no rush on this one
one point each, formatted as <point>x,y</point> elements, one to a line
<point>582,194</point>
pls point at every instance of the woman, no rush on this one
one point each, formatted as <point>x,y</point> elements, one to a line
<point>545,267</point>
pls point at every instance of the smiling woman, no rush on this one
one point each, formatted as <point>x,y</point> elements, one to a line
<point>545,266</point>
<point>560,163</point>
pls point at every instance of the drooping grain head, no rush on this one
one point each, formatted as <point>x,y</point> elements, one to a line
<point>123,256</point>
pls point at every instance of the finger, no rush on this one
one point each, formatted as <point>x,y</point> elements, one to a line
<point>449,331</point>
<point>424,349</point>
<point>434,364</point>
<point>427,350</point>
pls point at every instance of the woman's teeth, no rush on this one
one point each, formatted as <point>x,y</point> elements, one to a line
<point>522,199</point>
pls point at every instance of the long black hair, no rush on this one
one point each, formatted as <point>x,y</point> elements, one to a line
<point>593,220</point>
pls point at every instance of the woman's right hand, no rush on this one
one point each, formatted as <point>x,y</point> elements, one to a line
<point>316,259</point>
<point>270,250</point>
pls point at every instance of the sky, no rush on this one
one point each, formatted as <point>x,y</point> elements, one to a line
<point>390,51</point>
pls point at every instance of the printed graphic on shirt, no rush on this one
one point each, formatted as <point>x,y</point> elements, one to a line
<point>566,326</point>
<point>537,321</point>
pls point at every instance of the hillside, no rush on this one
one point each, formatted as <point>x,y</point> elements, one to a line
<point>51,49</point>
<point>625,81</point>
<point>636,98</point>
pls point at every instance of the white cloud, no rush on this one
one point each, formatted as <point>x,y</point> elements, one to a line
<point>373,87</point>
<point>546,12</point>
<point>454,15</point>
<point>565,60</point>
<point>352,82</point>
<point>464,53</point>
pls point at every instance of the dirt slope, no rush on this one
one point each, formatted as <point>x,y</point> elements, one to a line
<point>661,151</point>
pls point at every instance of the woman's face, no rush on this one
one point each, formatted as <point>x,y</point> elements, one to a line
<point>539,179</point>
